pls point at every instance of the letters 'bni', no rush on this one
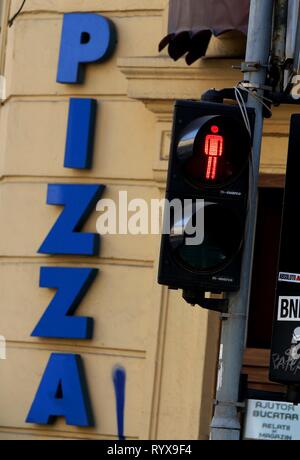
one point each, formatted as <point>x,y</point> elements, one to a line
<point>57,321</point>
<point>86,37</point>
<point>80,133</point>
<point>62,392</point>
<point>65,237</point>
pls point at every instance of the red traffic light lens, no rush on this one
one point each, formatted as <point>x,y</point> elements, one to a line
<point>215,129</point>
<point>214,149</point>
<point>220,151</point>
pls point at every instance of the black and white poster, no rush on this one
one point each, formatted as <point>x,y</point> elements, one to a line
<point>285,350</point>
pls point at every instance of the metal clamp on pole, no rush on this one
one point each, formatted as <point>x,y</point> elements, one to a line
<point>225,316</point>
<point>219,95</point>
<point>240,405</point>
<point>250,67</point>
<point>256,86</point>
<point>198,298</point>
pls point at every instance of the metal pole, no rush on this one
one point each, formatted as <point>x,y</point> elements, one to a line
<point>225,423</point>
<point>280,29</point>
<point>297,45</point>
<point>279,42</point>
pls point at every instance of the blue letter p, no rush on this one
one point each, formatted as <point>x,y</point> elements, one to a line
<point>86,37</point>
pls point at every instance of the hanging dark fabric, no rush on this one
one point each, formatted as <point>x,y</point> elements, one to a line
<point>192,23</point>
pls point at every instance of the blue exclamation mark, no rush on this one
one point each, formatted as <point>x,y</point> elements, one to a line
<point>119,379</point>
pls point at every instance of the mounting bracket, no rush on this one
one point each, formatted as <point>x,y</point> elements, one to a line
<point>198,298</point>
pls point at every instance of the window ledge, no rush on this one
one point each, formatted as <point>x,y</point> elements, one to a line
<point>161,79</point>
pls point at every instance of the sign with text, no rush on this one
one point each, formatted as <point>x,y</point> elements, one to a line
<point>272,421</point>
<point>63,390</point>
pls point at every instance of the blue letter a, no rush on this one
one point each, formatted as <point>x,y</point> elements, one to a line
<point>62,393</point>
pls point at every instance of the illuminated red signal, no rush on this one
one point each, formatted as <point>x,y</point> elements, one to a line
<point>214,149</point>
<point>215,129</point>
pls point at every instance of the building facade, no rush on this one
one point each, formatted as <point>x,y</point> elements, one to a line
<point>167,349</point>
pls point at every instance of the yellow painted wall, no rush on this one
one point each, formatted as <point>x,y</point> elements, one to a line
<point>158,339</point>
<point>169,350</point>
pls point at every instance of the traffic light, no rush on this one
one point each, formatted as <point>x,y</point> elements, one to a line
<point>208,169</point>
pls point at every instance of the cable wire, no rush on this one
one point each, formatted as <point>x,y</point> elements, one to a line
<point>243,108</point>
<point>12,19</point>
<point>253,93</point>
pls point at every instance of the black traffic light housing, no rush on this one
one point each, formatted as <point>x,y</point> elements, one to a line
<point>210,160</point>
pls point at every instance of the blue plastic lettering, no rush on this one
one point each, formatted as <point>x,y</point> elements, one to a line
<point>86,37</point>
<point>62,393</point>
<point>80,134</point>
<point>65,237</point>
<point>58,320</point>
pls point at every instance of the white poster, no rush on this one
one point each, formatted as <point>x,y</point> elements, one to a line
<point>272,420</point>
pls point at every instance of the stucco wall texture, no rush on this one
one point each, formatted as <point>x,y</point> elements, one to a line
<point>168,349</point>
